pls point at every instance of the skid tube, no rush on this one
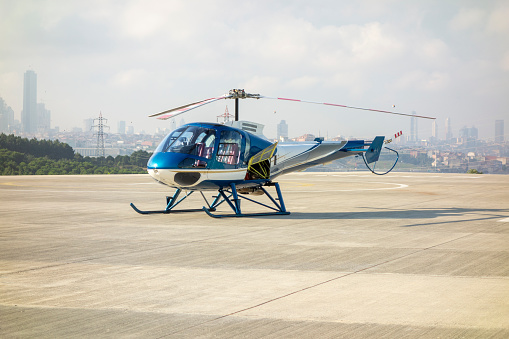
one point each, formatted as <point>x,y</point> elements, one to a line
<point>171,202</point>
<point>234,203</point>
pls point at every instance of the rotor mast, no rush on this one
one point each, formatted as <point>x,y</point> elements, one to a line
<point>236,109</point>
<point>240,94</point>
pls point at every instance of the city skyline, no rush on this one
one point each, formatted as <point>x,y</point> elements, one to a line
<point>131,59</point>
<point>43,120</point>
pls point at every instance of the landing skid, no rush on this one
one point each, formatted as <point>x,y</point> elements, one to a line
<point>171,202</point>
<point>231,197</point>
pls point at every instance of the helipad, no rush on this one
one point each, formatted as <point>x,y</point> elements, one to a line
<point>398,256</point>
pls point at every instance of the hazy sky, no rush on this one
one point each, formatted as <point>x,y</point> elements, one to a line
<point>129,59</point>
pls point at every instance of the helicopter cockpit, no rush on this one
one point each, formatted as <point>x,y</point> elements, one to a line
<point>206,146</point>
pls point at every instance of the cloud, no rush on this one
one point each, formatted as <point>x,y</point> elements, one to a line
<point>419,79</point>
<point>468,18</point>
<point>505,61</point>
<point>498,22</point>
<point>129,77</point>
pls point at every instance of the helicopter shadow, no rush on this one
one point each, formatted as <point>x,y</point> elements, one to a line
<point>461,214</point>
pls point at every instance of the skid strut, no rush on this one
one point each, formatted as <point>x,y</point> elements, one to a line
<point>278,208</point>
<point>231,197</point>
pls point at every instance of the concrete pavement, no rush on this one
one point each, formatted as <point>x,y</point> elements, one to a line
<point>403,255</point>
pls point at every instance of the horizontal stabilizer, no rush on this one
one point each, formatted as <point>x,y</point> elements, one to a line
<point>373,152</point>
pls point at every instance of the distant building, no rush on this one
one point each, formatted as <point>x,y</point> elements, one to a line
<point>43,119</point>
<point>173,124</point>
<point>88,123</point>
<point>467,133</point>
<point>305,137</point>
<point>414,129</point>
<point>338,138</point>
<point>434,131</point>
<point>499,130</point>
<point>130,129</point>
<point>448,129</point>
<point>29,113</point>
<point>121,127</point>
<point>282,130</point>
<point>6,118</point>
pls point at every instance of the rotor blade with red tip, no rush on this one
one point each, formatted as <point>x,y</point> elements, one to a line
<point>352,107</point>
<point>189,107</point>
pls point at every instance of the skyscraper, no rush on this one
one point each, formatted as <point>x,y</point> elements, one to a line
<point>121,127</point>
<point>414,129</point>
<point>88,125</point>
<point>282,130</point>
<point>6,117</point>
<point>29,113</point>
<point>467,133</point>
<point>499,130</point>
<point>448,129</point>
<point>434,130</point>
<point>43,118</point>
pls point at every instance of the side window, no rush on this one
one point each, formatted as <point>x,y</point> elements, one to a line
<point>229,147</point>
<point>205,143</point>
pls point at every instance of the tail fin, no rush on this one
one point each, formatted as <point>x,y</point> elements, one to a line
<point>373,152</point>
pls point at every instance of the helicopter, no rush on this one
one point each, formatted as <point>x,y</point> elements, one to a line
<point>235,160</point>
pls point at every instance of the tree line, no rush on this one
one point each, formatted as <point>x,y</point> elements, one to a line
<point>21,156</point>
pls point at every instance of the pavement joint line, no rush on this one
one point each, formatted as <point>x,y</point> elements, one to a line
<point>315,285</point>
<point>136,251</point>
<point>454,221</point>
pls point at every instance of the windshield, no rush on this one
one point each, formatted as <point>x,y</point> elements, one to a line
<point>193,140</point>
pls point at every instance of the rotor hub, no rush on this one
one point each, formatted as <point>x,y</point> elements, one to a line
<point>241,94</point>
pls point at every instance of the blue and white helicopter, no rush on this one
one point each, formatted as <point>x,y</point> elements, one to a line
<point>235,159</point>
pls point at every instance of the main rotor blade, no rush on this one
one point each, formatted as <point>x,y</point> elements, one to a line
<point>183,109</point>
<point>352,107</point>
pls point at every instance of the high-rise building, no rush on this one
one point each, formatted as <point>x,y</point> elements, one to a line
<point>448,129</point>
<point>499,130</point>
<point>29,113</point>
<point>121,127</point>
<point>282,130</point>
<point>43,118</point>
<point>6,118</point>
<point>414,129</point>
<point>434,130</point>
<point>469,133</point>
<point>88,125</point>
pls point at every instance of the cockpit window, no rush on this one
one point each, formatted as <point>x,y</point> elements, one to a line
<point>229,147</point>
<point>193,140</point>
